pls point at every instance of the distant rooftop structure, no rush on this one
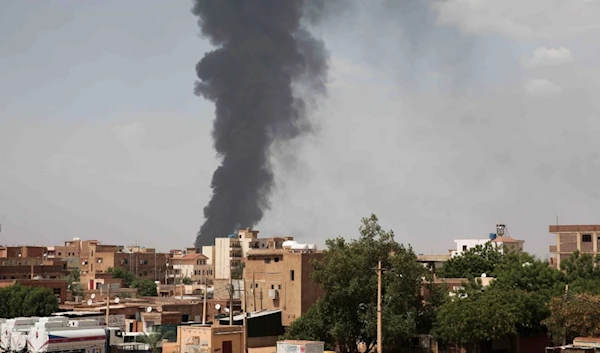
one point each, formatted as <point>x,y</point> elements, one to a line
<point>499,238</point>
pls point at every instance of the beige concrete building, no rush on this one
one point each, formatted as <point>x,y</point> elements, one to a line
<point>209,252</point>
<point>570,238</point>
<point>141,262</point>
<point>280,279</point>
<point>198,338</point>
<point>193,266</point>
<point>231,251</point>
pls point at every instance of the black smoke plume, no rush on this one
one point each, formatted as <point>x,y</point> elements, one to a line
<point>264,57</point>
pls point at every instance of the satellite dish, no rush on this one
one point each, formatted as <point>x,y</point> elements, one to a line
<point>117,300</point>
<point>93,296</point>
<point>89,302</point>
<point>218,306</point>
<point>483,275</point>
<point>226,310</point>
<point>149,309</point>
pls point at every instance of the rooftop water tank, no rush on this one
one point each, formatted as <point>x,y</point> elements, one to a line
<point>492,236</point>
<point>288,244</point>
<point>230,236</point>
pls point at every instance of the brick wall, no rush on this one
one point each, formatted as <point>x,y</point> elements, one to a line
<point>568,242</point>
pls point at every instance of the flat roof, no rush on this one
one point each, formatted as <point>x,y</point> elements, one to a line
<point>574,228</point>
<point>253,314</point>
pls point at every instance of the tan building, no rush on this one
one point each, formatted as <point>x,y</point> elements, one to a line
<point>198,338</point>
<point>231,251</point>
<point>96,259</point>
<point>280,279</point>
<point>30,262</point>
<point>570,238</point>
<point>193,266</point>
<point>209,252</point>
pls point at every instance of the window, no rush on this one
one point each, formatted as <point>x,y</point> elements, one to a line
<point>255,285</point>
<point>276,259</point>
<point>291,275</point>
<point>267,260</point>
<point>586,238</point>
<point>272,286</point>
<point>279,286</point>
<point>464,248</point>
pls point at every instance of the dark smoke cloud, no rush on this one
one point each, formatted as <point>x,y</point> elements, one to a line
<point>265,56</point>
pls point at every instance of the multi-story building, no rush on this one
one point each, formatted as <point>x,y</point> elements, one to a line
<point>193,266</point>
<point>142,262</point>
<point>499,239</point>
<point>29,262</point>
<point>209,252</point>
<point>279,278</point>
<point>230,252</point>
<point>72,251</point>
<point>570,238</point>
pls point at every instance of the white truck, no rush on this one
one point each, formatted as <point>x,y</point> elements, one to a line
<point>13,335</point>
<point>68,336</point>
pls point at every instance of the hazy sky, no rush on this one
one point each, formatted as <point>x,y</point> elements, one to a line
<point>443,118</point>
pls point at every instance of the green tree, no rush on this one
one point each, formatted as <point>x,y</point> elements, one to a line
<point>184,280</point>
<point>573,316</point>
<point>145,287</point>
<point>473,262</point>
<point>476,315</point>
<point>152,339</point>
<point>18,300</point>
<point>73,282</point>
<point>119,272</point>
<point>310,326</point>
<point>238,271</point>
<point>582,273</point>
<point>346,315</point>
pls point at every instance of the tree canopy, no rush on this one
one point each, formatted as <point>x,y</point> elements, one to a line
<point>145,287</point>
<point>525,297</point>
<point>18,300</point>
<point>126,276</point>
<point>346,315</point>
<point>473,262</point>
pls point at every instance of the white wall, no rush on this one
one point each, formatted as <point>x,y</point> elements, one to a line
<point>468,243</point>
<point>222,264</point>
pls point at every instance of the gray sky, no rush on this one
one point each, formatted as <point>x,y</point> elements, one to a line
<point>442,118</point>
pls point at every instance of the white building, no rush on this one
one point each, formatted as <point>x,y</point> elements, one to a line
<point>499,239</point>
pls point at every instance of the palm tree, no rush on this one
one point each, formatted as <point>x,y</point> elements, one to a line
<point>153,340</point>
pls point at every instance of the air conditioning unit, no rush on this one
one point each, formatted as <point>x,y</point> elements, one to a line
<point>273,294</point>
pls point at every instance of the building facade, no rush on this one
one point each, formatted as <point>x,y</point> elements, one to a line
<point>571,238</point>
<point>280,279</point>
<point>193,266</point>
<point>230,252</point>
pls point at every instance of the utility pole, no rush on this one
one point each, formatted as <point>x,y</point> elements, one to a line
<point>253,292</point>
<point>107,303</point>
<point>182,285</point>
<point>204,302</point>
<point>245,319</point>
<point>230,298</point>
<point>379,328</point>
<point>564,340</point>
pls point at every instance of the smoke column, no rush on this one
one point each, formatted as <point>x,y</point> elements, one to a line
<point>263,55</point>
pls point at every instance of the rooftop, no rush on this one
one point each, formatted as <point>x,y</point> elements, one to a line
<point>506,239</point>
<point>574,228</point>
